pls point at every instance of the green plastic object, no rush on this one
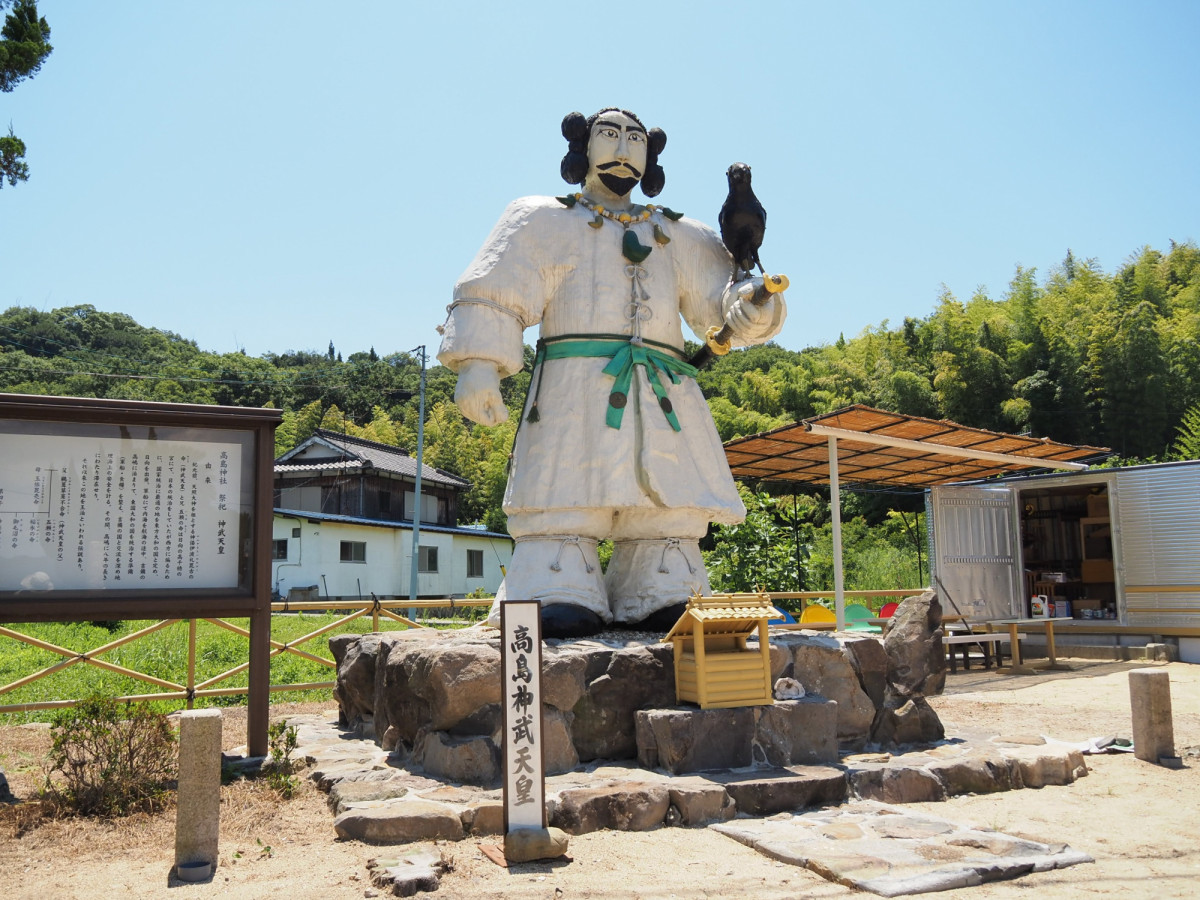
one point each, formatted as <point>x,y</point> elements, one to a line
<point>856,613</point>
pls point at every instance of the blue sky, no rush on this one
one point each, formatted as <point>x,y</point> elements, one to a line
<point>273,176</point>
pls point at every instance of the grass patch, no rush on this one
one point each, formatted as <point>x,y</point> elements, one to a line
<point>162,654</point>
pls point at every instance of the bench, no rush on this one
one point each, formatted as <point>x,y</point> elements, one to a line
<point>984,640</point>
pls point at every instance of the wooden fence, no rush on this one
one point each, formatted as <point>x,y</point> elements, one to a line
<point>192,689</point>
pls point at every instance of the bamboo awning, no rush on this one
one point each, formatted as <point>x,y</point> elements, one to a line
<point>879,447</point>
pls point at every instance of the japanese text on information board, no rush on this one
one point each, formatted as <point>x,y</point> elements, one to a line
<point>94,513</point>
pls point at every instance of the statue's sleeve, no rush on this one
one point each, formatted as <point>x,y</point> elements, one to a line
<point>498,296</point>
<point>703,270</point>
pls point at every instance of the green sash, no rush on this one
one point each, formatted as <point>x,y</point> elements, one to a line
<point>624,356</point>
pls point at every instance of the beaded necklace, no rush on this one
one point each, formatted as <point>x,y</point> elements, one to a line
<point>631,248</point>
<point>625,219</point>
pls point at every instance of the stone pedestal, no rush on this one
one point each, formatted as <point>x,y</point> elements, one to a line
<point>1153,728</point>
<point>790,732</point>
<point>198,813</point>
<point>435,696</point>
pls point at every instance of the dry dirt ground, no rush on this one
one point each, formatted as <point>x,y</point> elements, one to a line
<point>1139,821</point>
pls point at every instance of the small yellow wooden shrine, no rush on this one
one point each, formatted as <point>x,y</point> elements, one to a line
<point>713,667</point>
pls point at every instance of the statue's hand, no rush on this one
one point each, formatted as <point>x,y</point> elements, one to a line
<point>478,392</point>
<point>753,307</point>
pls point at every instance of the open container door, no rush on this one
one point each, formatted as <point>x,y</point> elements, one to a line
<point>975,559</point>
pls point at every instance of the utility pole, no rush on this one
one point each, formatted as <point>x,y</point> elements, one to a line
<point>416,526</point>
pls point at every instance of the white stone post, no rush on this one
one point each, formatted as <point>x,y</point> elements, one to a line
<point>1150,699</point>
<point>198,811</point>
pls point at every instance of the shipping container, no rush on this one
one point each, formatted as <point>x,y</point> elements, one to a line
<point>1122,544</point>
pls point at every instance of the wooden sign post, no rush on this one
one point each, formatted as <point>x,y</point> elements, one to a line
<point>521,693</point>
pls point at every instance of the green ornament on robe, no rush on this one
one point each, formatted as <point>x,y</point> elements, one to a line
<point>633,249</point>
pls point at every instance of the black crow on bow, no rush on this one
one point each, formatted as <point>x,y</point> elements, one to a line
<point>743,220</point>
<point>743,223</point>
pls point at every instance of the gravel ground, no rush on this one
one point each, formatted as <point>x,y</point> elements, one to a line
<point>1139,821</point>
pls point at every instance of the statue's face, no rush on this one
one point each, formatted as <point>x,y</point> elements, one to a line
<point>617,150</point>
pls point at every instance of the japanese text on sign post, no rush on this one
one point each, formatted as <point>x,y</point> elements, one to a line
<point>521,671</point>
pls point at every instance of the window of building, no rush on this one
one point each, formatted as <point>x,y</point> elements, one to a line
<point>432,509</point>
<point>279,549</point>
<point>474,563</point>
<point>427,559</point>
<point>354,551</point>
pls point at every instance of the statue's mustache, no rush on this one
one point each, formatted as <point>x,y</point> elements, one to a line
<point>604,167</point>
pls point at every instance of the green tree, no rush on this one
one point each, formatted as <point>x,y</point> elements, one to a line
<point>1130,381</point>
<point>24,46</point>
<point>761,553</point>
<point>1187,444</point>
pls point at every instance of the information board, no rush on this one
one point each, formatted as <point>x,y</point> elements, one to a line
<point>129,509</point>
<point>89,512</point>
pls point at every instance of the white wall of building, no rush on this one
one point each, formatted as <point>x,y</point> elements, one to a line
<point>315,558</point>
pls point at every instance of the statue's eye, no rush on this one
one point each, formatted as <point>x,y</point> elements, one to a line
<point>610,133</point>
<point>635,137</point>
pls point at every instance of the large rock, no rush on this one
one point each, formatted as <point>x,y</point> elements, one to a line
<point>699,801</point>
<point>1041,766</point>
<point>563,682</point>
<point>792,732</point>
<point>822,666</point>
<point>399,711</point>
<point>632,807</point>
<point>914,722</point>
<point>976,775</point>
<point>797,732</point>
<point>898,784</point>
<point>344,794</point>
<point>870,662</point>
<point>456,680</point>
<point>399,822</point>
<point>354,692</point>
<point>913,644</point>
<point>694,740</point>
<point>558,750</point>
<point>483,817</point>
<point>764,793</point>
<point>470,760</point>
<point>916,669</point>
<point>633,678</point>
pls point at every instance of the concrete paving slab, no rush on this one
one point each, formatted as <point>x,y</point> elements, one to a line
<point>890,852</point>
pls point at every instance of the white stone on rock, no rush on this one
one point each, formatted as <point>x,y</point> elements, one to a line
<point>788,689</point>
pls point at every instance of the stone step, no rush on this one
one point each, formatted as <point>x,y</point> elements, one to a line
<point>764,792</point>
<point>628,797</point>
<point>383,799</point>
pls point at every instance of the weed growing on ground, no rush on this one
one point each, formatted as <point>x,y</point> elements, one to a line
<point>109,758</point>
<point>281,768</point>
